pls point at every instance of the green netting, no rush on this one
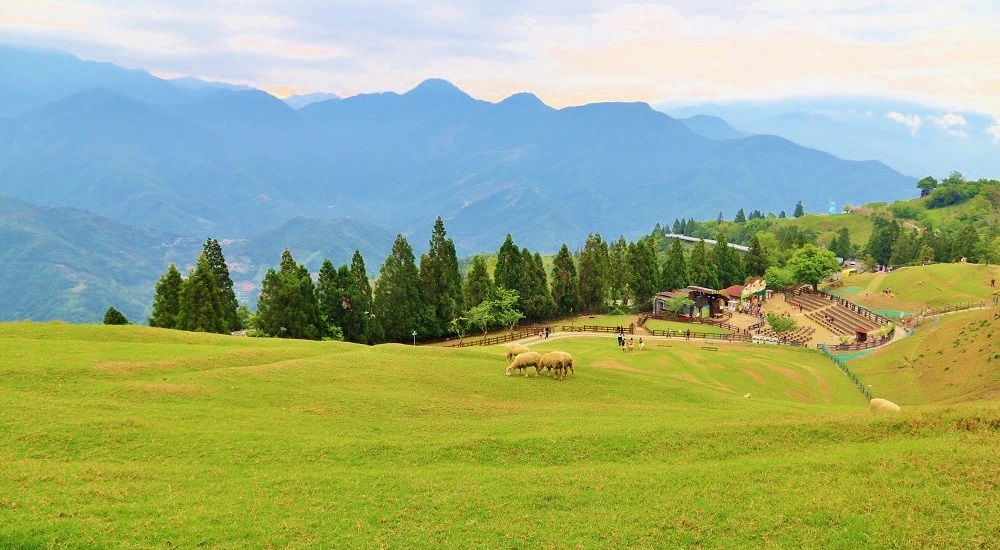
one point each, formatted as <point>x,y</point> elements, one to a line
<point>890,313</point>
<point>850,289</point>
<point>855,355</point>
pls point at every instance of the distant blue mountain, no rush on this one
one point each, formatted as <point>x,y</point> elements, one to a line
<point>233,163</point>
<point>30,78</point>
<point>301,100</point>
<point>915,139</point>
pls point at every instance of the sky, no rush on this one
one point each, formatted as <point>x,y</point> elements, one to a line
<point>567,52</point>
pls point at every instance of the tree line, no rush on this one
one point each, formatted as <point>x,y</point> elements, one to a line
<point>433,299</point>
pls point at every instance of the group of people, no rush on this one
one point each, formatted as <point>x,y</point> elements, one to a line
<point>628,345</point>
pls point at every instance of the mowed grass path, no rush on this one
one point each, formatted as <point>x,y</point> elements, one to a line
<point>131,437</point>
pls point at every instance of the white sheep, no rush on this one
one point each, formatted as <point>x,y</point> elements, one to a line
<point>879,404</point>
<point>513,349</point>
<point>551,361</point>
<point>525,360</point>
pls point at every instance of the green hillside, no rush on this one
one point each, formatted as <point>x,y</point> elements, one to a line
<point>137,437</point>
<point>913,289</point>
<point>955,358</point>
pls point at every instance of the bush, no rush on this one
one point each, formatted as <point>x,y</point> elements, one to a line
<point>114,317</point>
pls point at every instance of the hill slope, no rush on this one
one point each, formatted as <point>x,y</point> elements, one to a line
<point>955,358</point>
<point>214,440</point>
<point>914,289</point>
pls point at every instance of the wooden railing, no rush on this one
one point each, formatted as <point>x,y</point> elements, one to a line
<point>525,332</point>
<point>956,307</point>
<point>861,345</point>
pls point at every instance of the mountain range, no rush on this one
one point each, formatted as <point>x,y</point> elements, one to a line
<point>915,139</point>
<point>194,159</point>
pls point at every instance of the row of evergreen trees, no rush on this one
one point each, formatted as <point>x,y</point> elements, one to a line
<point>203,302</point>
<point>433,299</point>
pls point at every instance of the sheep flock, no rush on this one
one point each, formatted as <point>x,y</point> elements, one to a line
<point>556,363</point>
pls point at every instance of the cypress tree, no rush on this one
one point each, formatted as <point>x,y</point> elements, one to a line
<point>227,296</point>
<point>702,269</point>
<point>677,227</point>
<point>565,284</point>
<point>200,310</point>
<point>478,285</point>
<point>643,271</point>
<point>618,269</point>
<point>509,270</point>
<point>287,306</point>
<point>594,265</point>
<point>441,281</point>
<point>675,271</point>
<point>756,260</point>
<point>332,297</point>
<point>727,262</point>
<point>397,297</point>
<point>361,325</point>
<point>799,211</point>
<point>167,299</point>
<point>741,217</point>
<point>535,298</point>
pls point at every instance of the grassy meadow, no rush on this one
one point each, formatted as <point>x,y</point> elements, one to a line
<point>917,288</point>
<point>131,437</point>
<point>953,358</point>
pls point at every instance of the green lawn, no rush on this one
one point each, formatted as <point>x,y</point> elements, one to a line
<point>659,324</point>
<point>130,437</point>
<point>916,288</point>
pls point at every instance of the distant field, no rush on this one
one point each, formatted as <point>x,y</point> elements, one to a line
<point>953,358</point>
<point>916,288</point>
<point>859,226</point>
<point>139,438</point>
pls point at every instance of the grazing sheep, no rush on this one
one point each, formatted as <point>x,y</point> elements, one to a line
<point>879,404</point>
<point>513,349</point>
<point>747,396</point>
<point>551,361</point>
<point>567,364</point>
<point>525,360</point>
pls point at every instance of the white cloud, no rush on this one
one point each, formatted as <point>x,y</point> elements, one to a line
<point>995,130</point>
<point>951,123</point>
<point>913,122</point>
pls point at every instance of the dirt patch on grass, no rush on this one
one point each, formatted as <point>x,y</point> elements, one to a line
<point>615,365</point>
<point>715,385</point>
<point>755,375</point>
<point>798,396</point>
<point>788,373</point>
<point>167,388</point>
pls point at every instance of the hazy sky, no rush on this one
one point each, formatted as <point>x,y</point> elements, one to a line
<point>567,52</point>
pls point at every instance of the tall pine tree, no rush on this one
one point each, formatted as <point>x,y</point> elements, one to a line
<point>594,266</point>
<point>397,297</point>
<point>167,299</point>
<point>565,284</point>
<point>478,285</point>
<point>441,281</point>
<point>728,262</point>
<point>510,268</point>
<point>756,259</point>
<point>200,310</point>
<point>332,298</point>
<point>535,298</point>
<point>644,271</point>
<point>287,306</point>
<point>675,271</point>
<point>212,251</point>
<point>360,324</point>
<point>618,270</point>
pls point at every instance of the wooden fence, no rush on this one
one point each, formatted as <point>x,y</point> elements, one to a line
<point>842,365</point>
<point>525,332</point>
<point>956,307</point>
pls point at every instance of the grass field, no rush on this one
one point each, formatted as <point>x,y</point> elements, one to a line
<point>826,226</point>
<point>954,358</point>
<point>916,288</point>
<point>659,324</point>
<point>130,437</point>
